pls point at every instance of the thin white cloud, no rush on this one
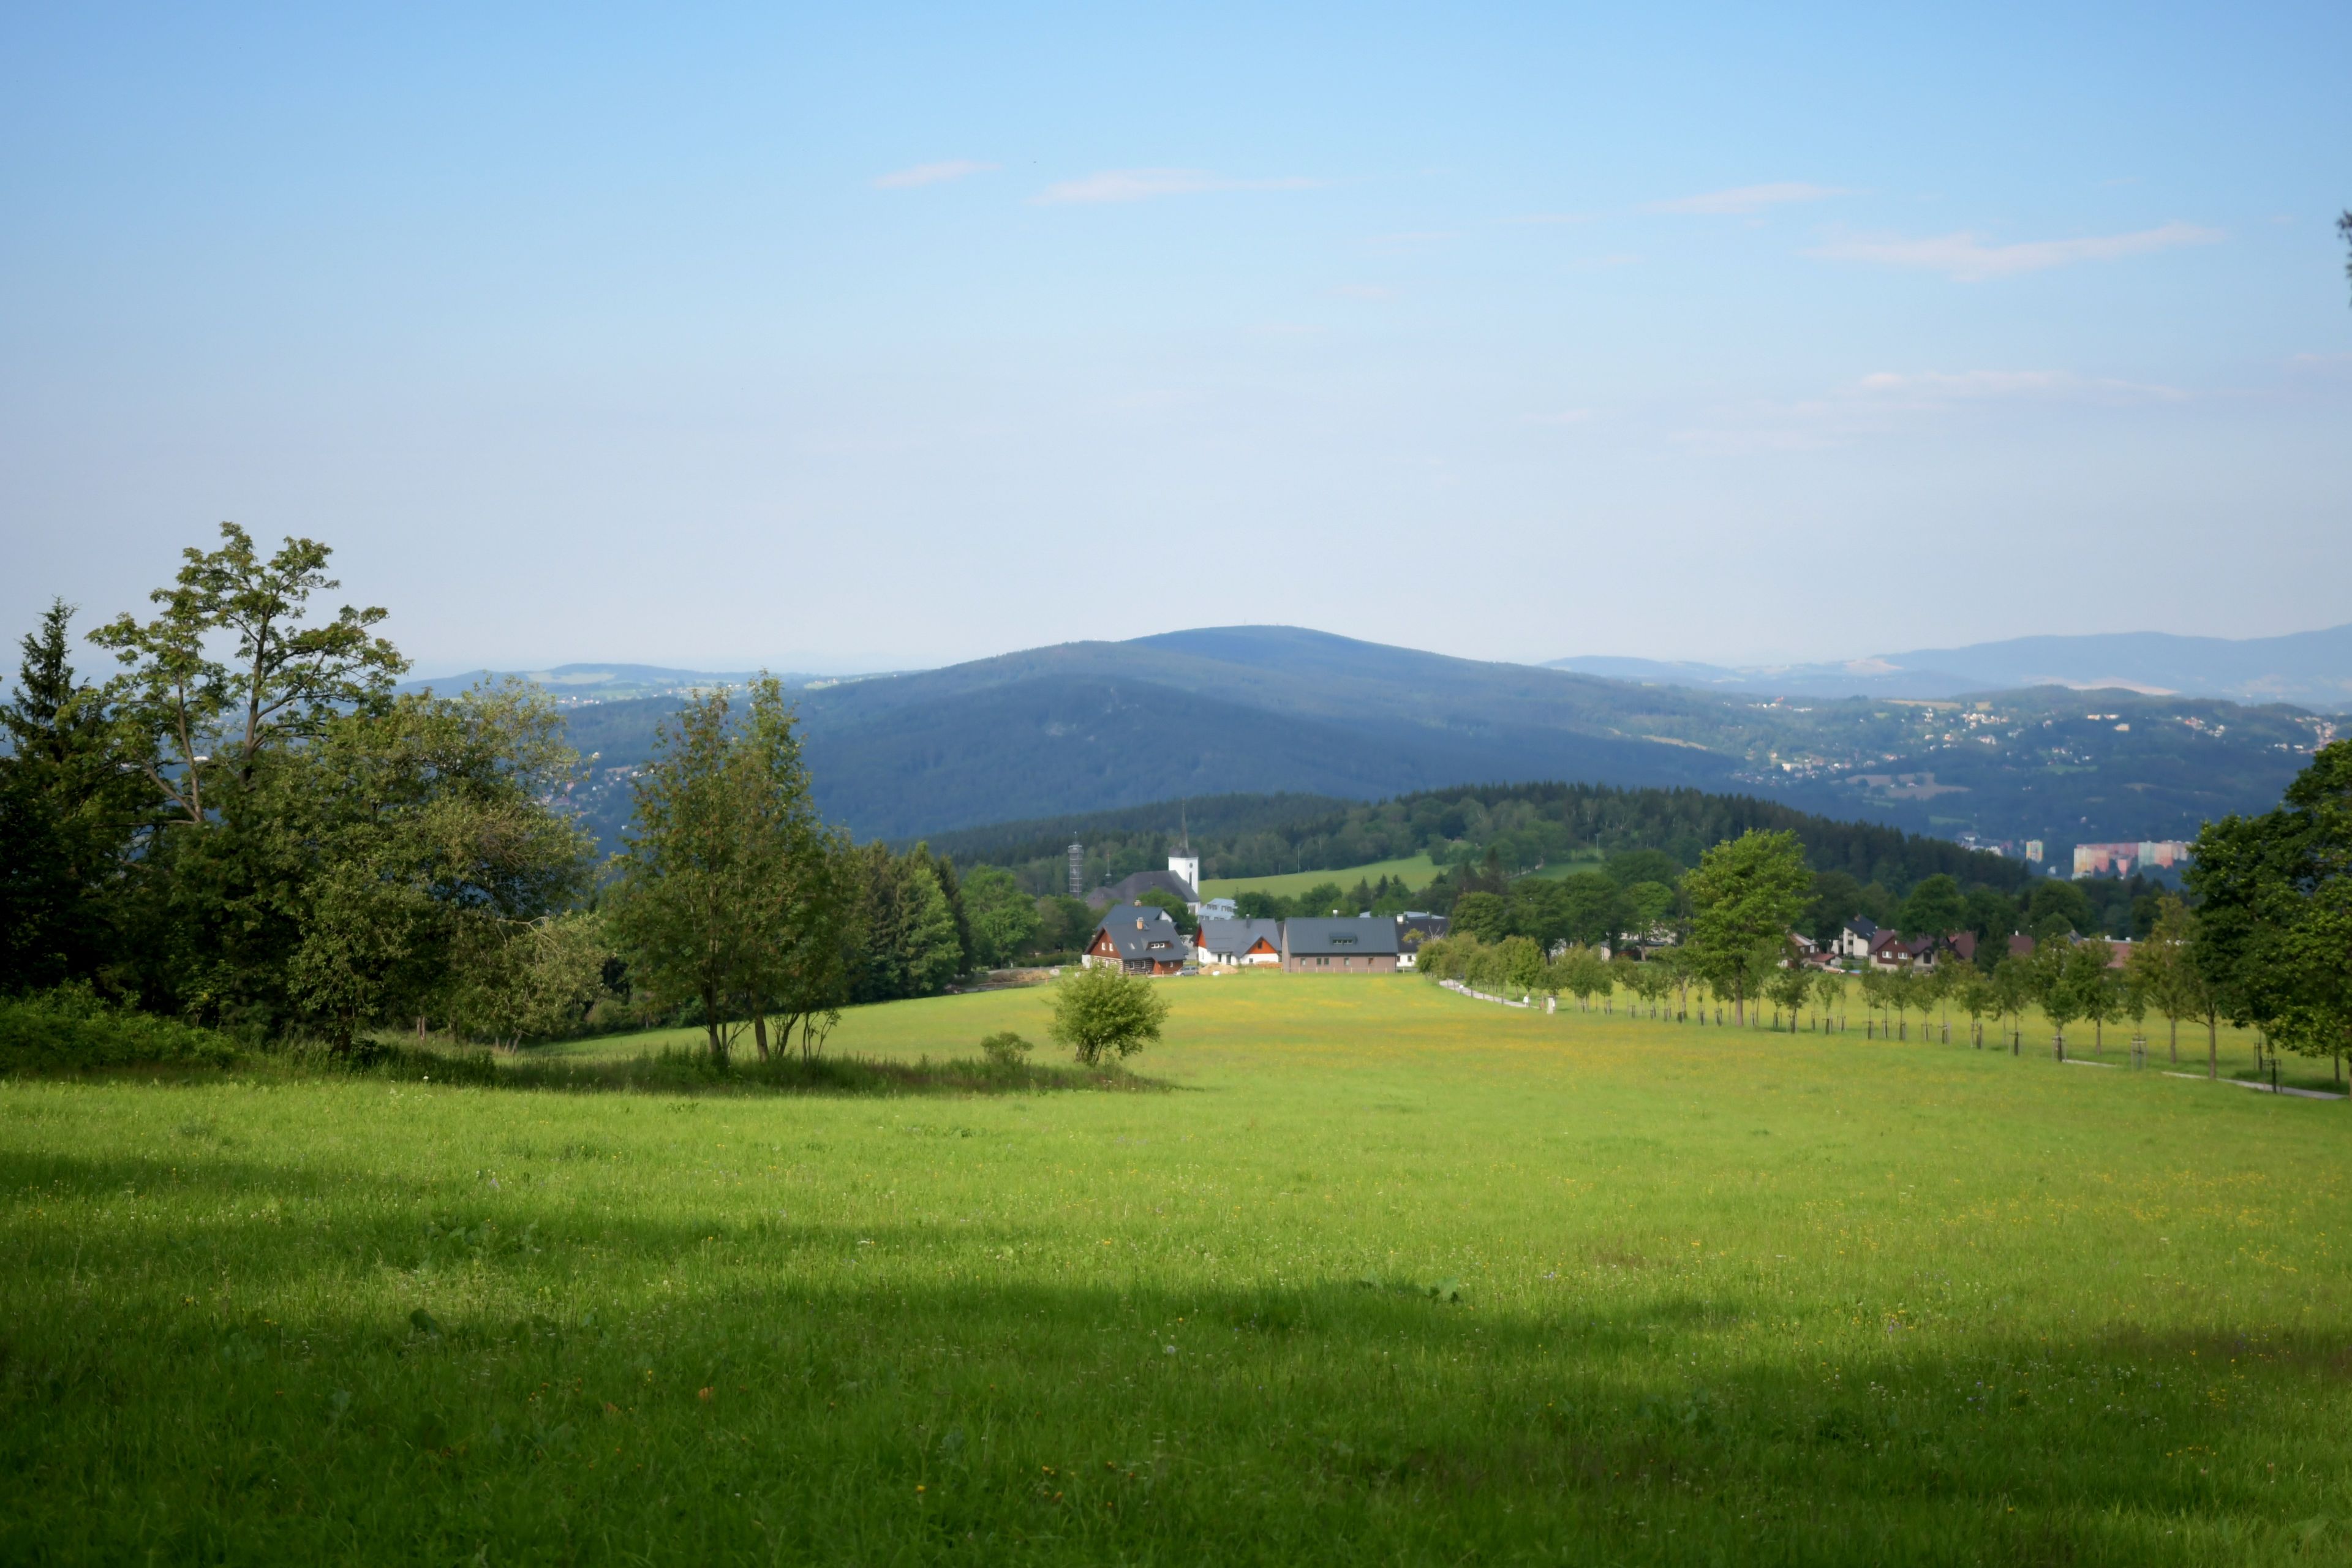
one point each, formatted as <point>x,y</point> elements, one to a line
<point>1565,417</point>
<point>1748,198</point>
<point>1966,258</point>
<point>1550,218</point>
<point>1142,184</point>
<point>1364,292</point>
<point>931,175</point>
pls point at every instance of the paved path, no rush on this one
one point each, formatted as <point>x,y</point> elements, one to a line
<point>2260,1088</point>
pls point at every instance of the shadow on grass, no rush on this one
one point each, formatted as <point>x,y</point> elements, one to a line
<point>1346,1420</point>
<point>674,1071</point>
<point>671,1070</point>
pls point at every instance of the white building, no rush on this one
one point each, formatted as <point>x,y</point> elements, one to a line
<point>1186,868</point>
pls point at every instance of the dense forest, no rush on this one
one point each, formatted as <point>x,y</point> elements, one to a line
<point>1519,827</point>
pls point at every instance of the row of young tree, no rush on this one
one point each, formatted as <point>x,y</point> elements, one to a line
<point>249,825</point>
<point>2269,945</point>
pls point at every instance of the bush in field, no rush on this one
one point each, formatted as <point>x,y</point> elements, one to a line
<point>1005,1049</point>
<point>68,1029</point>
<point>1098,1009</point>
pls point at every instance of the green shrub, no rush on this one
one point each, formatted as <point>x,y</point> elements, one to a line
<point>1099,1011</point>
<point>68,1029</point>
<point>1006,1050</point>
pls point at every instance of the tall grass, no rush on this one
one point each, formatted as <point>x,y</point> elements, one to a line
<point>1400,1277</point>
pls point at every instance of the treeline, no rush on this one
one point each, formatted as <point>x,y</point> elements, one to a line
<point>1517,828</point>
<point>247,827</point>
<point>2262,939</point>
<point>1732,947</point>
<point>1137,838</point>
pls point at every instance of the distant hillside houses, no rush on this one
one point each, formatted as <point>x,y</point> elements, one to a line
<point>1873,946</point>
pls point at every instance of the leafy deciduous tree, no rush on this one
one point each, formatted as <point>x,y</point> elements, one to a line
<point>2164,967</point>
<point>184,714</point>
<point>728,894</point>
<point>1744,896</point>
<point>1099,1011</point>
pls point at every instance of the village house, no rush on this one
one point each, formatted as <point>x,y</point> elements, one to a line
<point>1853,943</point>
<point>1415,928</point>
<point>1140,939</point>
<point>1239,942</point>
<point>1363,945</point>
<point>1891,950</point>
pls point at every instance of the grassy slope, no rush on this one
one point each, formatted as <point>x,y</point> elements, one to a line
<point>1722,1295</point>
<point>1414,871</point>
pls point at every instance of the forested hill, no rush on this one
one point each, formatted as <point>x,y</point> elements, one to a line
<point>1523,827</point>
<point>1094,726</point>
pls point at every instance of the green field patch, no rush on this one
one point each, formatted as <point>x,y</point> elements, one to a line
<point>1957,1306</point>
<point>1413,872</point>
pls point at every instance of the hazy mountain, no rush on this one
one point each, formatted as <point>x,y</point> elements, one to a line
<point>2312,670</point>
<point>571,683</point>
<point>1094,727</point>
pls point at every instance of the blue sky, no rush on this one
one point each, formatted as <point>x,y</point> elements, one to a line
<point>848,337</point>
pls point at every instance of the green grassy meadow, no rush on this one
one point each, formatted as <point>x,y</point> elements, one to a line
<point>1413,872</point>
<point>1384,1275</point>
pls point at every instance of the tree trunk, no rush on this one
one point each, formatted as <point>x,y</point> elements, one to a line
<point>710,1026</point>
<point>2175,1023</point>
<point>2212,1046</point>
<point>760,1032</point>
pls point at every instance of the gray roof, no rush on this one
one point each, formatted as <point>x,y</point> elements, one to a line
<point>1412,930</point>
<point>1223,938</point>
<point>1330,938</point>
<point>1145,932</point>
<point>1128,889</point>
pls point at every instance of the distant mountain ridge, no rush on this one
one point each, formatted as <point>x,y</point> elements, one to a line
<point>2312,670</point>
<point>1103,726</point>
<point>571,683</point>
